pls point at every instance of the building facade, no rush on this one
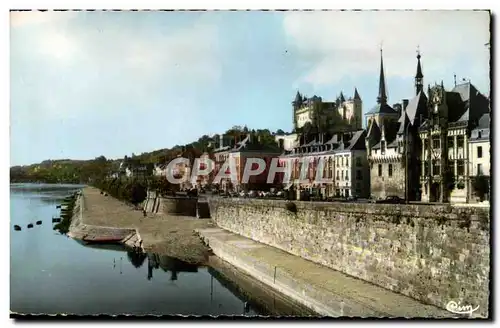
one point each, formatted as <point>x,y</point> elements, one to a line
<point>393,143</point>
<point>287,141</point>
<point>344,170</point>
<point>240,152</point>
<point>339,115</point>
<point>447,158</point>
<point>479,150</point>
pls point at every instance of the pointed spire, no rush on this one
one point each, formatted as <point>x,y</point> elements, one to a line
<point>298,97</point>
<point>356,94</point>
<point>419,74</point>
<point>419,77</point>
<point>382,96</point>
<point>342,99</point>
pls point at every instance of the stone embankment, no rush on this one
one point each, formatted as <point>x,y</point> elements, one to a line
<point>436,254</point>
<point>323,290</point>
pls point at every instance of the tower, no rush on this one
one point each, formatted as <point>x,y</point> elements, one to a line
<point>358,109</point>
<point>297,103</point>
<point>419,77</point>
<point>382,96</point>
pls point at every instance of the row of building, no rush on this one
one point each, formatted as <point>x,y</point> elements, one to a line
<point>426,148</point>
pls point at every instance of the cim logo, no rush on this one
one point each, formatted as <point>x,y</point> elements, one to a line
<point>454,307</point>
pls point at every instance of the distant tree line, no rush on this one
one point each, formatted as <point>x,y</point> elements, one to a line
<point>98,169</point>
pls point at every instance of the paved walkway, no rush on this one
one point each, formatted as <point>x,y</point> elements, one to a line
<point>325,290</point>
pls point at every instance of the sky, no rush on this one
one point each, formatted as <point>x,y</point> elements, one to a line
<point>85,84</point>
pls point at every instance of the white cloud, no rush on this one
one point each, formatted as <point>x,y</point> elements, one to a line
<point>25,18</point>
<point>64,67</point>
<point>336,44</point>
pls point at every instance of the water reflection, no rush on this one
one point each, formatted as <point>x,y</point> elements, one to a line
<point>136,258</point>
<point>167,263</point>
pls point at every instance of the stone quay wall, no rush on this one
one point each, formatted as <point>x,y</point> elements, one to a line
<point>433,253</point>
<point>183,206</point>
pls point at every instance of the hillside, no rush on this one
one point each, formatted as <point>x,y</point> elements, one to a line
<point>81,171</point>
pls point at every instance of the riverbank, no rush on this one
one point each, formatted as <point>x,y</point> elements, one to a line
<point>104,216</point>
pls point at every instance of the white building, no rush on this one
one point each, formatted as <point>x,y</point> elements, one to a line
<point>479,148</point>
<point>479,151</point>
<point>288,141</point>
<point>345,165</point>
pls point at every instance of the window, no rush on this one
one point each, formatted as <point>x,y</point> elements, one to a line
<point>358,175</point>
<point>436,143</point>
<point>358,161</point>
<point>479,152</point>
<point>382,147</point>
<point>347,175</point>
<point>479,169</point>
<point>380,170</point>
<point>460,141</point>
<point>460,167</point>
<point>337,175</point>
<point>426,169</point>
<point>451,142</point>
<point>436,167</point>
<point>390,170</point>
<point>347,192</point>
<point>479,134</point>
<point>342,160</point>
<point>346,161</point>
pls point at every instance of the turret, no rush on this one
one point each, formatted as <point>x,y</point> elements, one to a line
<point>356,95</point>
<point>419,77</point>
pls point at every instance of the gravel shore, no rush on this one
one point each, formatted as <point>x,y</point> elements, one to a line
<point>163,234</point>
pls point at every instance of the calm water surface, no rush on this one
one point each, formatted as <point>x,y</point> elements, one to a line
<point>53,274</point>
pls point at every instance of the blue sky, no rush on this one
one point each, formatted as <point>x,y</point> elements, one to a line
<point>116,83</point>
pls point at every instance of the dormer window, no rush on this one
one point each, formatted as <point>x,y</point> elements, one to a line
<point>479,134</point>
<point>382,146</point>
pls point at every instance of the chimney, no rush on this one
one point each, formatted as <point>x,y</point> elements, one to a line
<point>405,104</point>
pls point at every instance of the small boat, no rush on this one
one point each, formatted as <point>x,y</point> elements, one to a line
<point>55,220</point>
<point>39,222</point>
<point>17,228</point>
<point>103,240</point>
<point>58,206</point>
<point>30,225</point>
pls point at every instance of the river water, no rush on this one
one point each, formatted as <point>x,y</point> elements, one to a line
<point>53,274</point>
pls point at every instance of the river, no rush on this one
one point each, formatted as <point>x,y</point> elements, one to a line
<point>53,274</point>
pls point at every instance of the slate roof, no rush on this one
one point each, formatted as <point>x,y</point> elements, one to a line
<point>382,109</point>
<point>482,130</point>
<point>413,105</point>
<point>466,102</point>
<point>390,132</point>
<point>334,140</point>
<point>355,142</point>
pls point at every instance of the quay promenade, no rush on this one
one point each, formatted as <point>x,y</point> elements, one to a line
<point>323,290</point>
<point>163,234</point>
